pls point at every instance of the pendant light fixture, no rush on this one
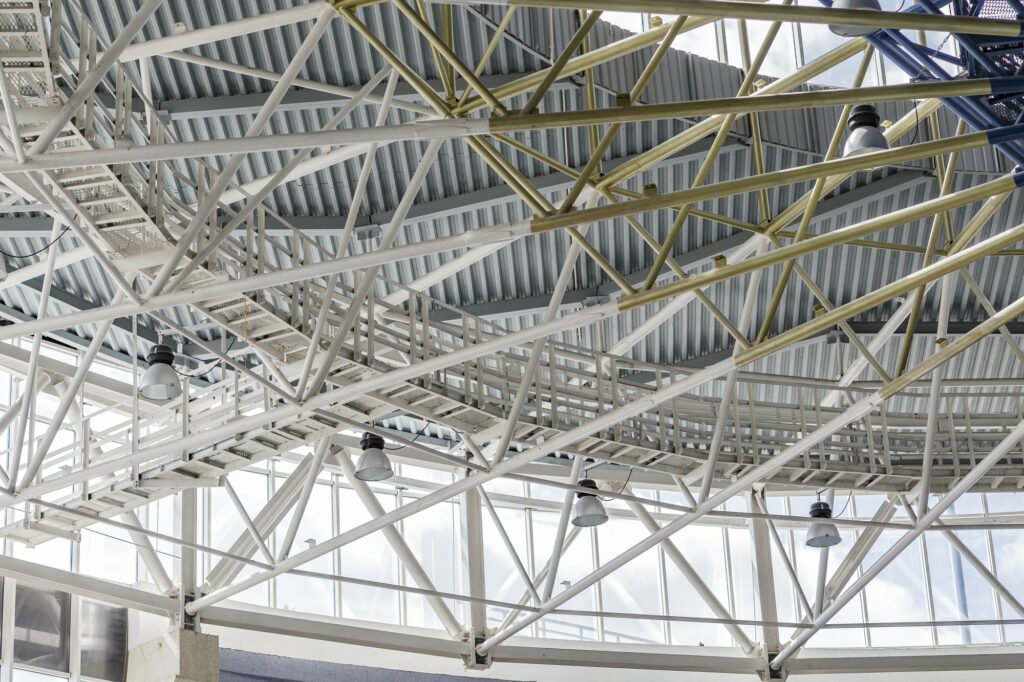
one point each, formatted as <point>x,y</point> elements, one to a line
<point>822,533</point>
<point>846,30</point>
<point>373,464</point>
<point>160,381</point>
<point>589,508</point>
<point>865,136</point>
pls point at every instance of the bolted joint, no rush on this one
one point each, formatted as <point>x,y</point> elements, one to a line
<point>186,620</point>
<point>770,673</point>
<point>474,660</point>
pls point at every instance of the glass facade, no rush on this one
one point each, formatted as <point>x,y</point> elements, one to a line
<point>932,580</point>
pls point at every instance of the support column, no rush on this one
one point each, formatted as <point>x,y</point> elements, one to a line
<point>473,563</point>
<point>179,656</point>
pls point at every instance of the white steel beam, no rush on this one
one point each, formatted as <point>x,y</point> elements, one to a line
<point>149,557</point>
<point>764,575</point>
<point>232,29</point>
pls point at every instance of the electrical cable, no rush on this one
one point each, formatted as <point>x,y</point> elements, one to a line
<point>421,432</point>
<point>212,367</point>
<point>41,249</point>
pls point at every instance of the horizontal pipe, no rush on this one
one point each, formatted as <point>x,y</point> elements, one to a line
<point>820,242</point>
<point>448,128</point>
<point>766,180</point>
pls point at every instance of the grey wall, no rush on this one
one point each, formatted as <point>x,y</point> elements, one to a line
<point>244,666</point>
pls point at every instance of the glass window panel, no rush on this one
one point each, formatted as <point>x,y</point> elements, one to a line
<point>431,534</point>
<point>370,557</point>
<point>1008,547</point>
<point>54,553</point>
<point>978,593</point>
<point>104,641</point>
<point>425,473</point>
<point>898,593</point>
<point>631,589</point>
<point>1004,502</point>
<point>741,552</point>
<point>307,594</point>
<point>577,561</point>
<point>108,553</point>
<point>703,549</point>
<point>502,580</point>
<point>944,595</point>
<point>41,626</point>
<point>807,560</point>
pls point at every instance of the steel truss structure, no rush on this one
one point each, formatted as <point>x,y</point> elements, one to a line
<point>290,345</point>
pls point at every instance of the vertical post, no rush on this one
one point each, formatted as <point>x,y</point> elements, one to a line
<point>473,566</point>
<point>765,577</point>
<point>188,517</point>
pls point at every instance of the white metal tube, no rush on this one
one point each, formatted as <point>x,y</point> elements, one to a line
<point>563,525</point>
<point>247,520</point>
<point>532,585</point>
<point>231,29</point>
<point>536,351</point>
<point>934,393</point>
<point>209,204</point>
<point>28,392</point>
<point>366,170</point>
<point>508,466</point>
<point>499,234</point>
<point>350,323</point>
<point>819,593</point>
<point>229,432</point>
<point>746,315</point>
<point>896,319</point>
<point>854,412</point>
<point>510,546</point>
<point>68,399</point>
<point>12,119</point>
<point>87,85</point>
<point>675,304</point>
<point>971,557</point>
<point>784,555</point>
<point>398,544</point>
<point>322,448</point>
<point>439,274</point>
<point>265,521</point>
<point>339,90</point>
<point>274,182</point>
<point>149,557</point>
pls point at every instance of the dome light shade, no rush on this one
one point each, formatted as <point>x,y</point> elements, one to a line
<point>865,136</point>
<point>589,509</point>
<point>846,30</point>
<point>160,381</point>
<point>373,464</point>
<point>822,533</point>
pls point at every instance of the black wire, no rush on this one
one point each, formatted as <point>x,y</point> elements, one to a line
<point>39,251</point>
<point>848,499</point>
<point>628,476</point>
<point>129,542</point>
<point>213,367</point>
<point>422,431</point>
